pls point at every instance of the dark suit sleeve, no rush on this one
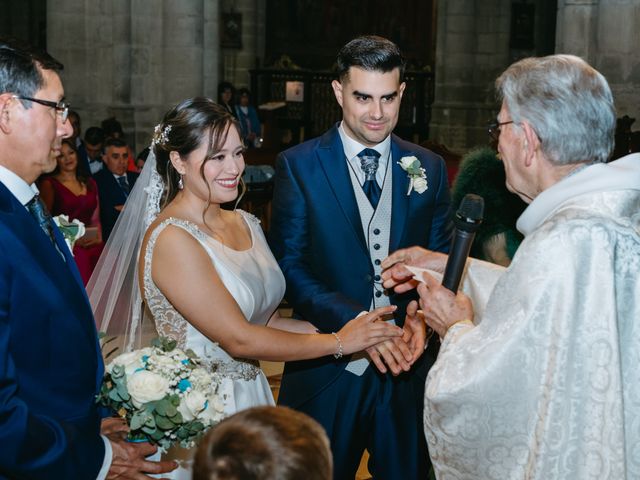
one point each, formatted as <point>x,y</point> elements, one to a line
<point>36,446</point>
<point>441,226</point>
<point>290,241</point>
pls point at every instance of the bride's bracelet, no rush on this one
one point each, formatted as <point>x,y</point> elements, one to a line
<point>338,354</point>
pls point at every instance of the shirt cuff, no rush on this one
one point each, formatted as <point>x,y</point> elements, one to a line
<point>108,456</point>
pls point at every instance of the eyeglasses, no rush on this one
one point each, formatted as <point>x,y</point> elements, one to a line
<point>62,108</point>
<point>493,128</point>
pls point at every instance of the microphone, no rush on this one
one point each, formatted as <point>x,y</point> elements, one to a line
<point>467,221</point>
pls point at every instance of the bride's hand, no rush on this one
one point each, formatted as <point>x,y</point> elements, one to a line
<point>367,330</point>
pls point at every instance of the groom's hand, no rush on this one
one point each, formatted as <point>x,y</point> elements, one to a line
<point>415,330</point>
<point>394,354</point>
<point>129,460</point>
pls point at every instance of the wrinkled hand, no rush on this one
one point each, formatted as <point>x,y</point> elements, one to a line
<point>367,330</point>
<point>114,426</point>
<point>441,307</point>
<point>129,460</point>
<point>396,276</point>
<point>415,331</point>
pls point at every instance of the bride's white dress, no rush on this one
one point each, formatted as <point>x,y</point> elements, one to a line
<point>255,281</point>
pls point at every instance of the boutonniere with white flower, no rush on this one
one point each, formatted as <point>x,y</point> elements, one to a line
<point>71,230</point>
<point>417,175</point>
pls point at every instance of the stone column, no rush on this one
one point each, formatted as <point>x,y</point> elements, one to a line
<point>237,62</point>
<point>605,33</point>
<point>471,50</point>
<point>134,59</point>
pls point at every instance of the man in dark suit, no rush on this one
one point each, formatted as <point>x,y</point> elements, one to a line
<point>50,361</point>
<point>114,183</point>
<point>342,202</point>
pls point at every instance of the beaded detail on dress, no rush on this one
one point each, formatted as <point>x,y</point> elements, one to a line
<point>170,323</point>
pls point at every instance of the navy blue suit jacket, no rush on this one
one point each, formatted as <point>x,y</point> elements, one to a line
<point>317,237</point>
<point>50,362</point>
<point>111,195</point>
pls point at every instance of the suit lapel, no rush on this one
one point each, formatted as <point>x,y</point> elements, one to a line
<point>333,162</point>
<point>400,200</point>
<point>38,248</point>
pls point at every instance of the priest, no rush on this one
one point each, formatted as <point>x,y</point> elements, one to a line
<point>538,373</point>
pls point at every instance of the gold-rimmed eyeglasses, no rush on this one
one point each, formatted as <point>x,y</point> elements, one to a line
<point>493,128</point>
<point>61,107</point>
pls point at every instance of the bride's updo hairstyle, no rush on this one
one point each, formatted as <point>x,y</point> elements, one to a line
<point>181,130</point>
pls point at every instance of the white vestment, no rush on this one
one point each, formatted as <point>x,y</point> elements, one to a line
<point>546,385</point>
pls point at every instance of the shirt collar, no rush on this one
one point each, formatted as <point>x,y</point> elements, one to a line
<point>352,148</point>
<point>17,186</point>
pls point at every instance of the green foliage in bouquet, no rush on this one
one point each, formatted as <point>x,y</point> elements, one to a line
<point>163,394</point>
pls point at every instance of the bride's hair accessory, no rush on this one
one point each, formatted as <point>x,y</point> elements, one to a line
<point>161,135</point>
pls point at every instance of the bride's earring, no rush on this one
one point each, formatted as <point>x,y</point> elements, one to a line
<point>180,182</point>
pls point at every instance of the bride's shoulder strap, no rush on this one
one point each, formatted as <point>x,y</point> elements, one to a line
<point>249,216</point>
<point>184,224</point>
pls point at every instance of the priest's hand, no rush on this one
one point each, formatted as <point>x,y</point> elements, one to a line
<point>441,307</point>
<point>396,276</point>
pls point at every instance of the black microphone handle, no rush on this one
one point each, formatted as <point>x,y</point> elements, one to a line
<point>460,247</point>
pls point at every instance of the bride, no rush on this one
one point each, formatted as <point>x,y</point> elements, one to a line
<point>207,276</point>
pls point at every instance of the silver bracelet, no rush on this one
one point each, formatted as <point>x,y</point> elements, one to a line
<point>338,354</point>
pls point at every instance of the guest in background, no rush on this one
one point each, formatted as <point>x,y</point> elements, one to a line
<point>93,142</point>
<point>141,158</point>
<point>114,183</point>
<point>76,138</point>
<point>70,191</point>
<point>481,172</point>
<point>248,118</point>
<point>226,94</point>
<point>265,443</point>
<point>538,378</point>
<point>113,129</point>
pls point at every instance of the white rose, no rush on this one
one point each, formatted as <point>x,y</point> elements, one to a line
<point>192,404</point>
<point>214,411</point>
<point>163,362</point>
<point>131,361</point>
<point>406,162</point>
<point>200,379</point>
<point>146,387</point>
<point>419,184</point>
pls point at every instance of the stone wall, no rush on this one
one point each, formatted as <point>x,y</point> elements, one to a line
<point>606,33</point>
<point>133,59</point>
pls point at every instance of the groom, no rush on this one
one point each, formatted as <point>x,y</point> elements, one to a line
<point>340,206</point>
<point>50,362</point>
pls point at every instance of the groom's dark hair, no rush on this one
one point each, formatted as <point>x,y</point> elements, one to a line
<point>372,53</point>
<point>20,66</point>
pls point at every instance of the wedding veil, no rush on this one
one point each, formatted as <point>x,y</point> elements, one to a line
<point>113,288</point>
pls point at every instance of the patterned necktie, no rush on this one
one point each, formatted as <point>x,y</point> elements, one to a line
<point>42,216</point>
<point>369,163</point>
<point>124,185</point>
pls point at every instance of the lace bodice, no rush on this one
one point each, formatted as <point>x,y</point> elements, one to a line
<point>252,277</point>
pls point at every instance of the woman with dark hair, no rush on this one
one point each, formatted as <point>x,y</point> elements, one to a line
<point>70,191</point>
<point>226,94</point>
<point>206,274</point>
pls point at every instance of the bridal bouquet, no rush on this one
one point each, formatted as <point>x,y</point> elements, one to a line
<point>163,394</point>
